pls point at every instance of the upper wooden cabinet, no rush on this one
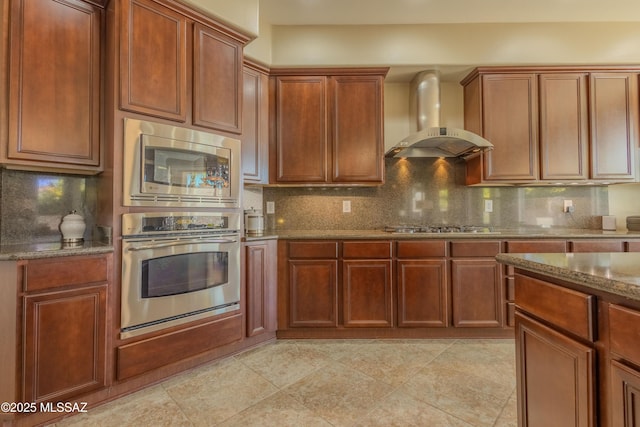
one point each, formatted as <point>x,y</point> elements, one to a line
<point>614,125</point>
<point>552,124</point>
<point>505,113</point>
<point>255,124</point>
<point>327,126</point>
<point>54,74</point>
<point>178,65</point>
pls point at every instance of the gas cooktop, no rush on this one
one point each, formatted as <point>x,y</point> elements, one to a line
<point>415,229</point>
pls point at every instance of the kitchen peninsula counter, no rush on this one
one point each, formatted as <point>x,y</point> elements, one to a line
<point>613,273</point>
<point>577,324</point>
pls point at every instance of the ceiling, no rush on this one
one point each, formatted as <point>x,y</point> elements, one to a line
<point>364,12</point>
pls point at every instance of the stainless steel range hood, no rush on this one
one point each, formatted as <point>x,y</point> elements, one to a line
<point>430,139</point>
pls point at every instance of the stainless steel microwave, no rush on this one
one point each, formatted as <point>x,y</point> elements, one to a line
<point>170,166</point>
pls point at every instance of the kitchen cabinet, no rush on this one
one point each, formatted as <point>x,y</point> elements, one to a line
<point>624,329</point>
<point>505,113</point>
<point>261,280</point>
<point>255,124</point>
<point>564,126</point>
<point>327,126</point>
<point>553,124</point>
<point>476,284</point>
<point>176,65</point>
<point>61,319</point>
<point>614,125</point>
<point>312,284</point>
<point>367,284</point>
<point>597,245</point>
<point>54,50</point>
<point>555,355</point>
<point>424,299</point>
<point>519,247</point>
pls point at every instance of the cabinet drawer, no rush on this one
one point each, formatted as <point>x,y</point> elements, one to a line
<point>366,249</point>
<point>66,271</point>
<point>633,246</point>
<point>436,248</point>
<point>536,246</point>
<point>313,249</point>
<point>624,327</point>
<point>597,246</point>
<point>489,248</point>
<point>570,310</point>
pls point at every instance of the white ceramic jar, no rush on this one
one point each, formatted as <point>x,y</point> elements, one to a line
<point>72,228</point>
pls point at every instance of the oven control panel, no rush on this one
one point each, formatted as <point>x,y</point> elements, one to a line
<point>137,224</point>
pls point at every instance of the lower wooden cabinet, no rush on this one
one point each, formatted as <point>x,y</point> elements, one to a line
<point>556,377</point>
<point>476,285</point>
<point>261,279</point>
<point>312,285</point>
<point>625,395</point>
<point>60,327</point>
<point>64,343</point>
<point>424,298</point>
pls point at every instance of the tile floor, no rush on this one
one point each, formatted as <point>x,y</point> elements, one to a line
<point>308,383</point>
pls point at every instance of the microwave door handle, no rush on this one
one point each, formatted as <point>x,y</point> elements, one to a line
<point>178,243</point>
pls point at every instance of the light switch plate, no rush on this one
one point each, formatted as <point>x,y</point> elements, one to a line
<point>488,205</point>
<point>346,206</point>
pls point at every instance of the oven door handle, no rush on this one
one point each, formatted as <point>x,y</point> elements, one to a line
<point>178,243</point>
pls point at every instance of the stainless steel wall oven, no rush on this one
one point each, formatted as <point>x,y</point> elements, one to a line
<point>178,267</point>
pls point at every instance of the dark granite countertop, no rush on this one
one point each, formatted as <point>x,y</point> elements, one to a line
<point>494,234</point>
<point>50,250</point>
<point>614,273</point>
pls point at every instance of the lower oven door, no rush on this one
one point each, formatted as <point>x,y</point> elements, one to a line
<point>166,282</point>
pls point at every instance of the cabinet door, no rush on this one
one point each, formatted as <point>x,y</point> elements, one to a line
<point>301,151</point>
<point>423,293</point>
<point>153,60</point>
<point>477,294</point>
<point>614,118</point>
<point>357,129</point>
<point>555,376</point>
<point>255,126</point>
<point>217,80</point>
<point>625,395</point>
<point>313,297</point>
<point>367,293</point>
<point>564,126</point>
<point>509,105</point>
<point>55,68</point>
<point>64,347</point>
<point>261,287</point>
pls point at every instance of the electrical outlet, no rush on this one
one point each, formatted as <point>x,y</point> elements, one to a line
<point>568,206</point>
<point>488,205</point>
<point>346,206</point>
<point>271,207</point>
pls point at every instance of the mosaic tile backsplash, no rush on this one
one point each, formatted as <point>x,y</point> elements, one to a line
<point>32,205</point>
<point>429,191</point>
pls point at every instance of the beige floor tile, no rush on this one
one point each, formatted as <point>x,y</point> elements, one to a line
<point>338,383</point>
<point>392,362</point>
<point>400,409</point>
<point>149,407</point>
<point>216,394</point>
<point>509,415</point>
<point>285,362</point>
<point>339,394</point>
<point>277,410</point>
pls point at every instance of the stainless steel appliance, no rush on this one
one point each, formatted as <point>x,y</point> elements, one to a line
<point>438,228</point>
<point>178,267</point>
<point>172,166</point>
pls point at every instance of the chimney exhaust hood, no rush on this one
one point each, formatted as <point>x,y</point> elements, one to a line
<point>432,140</point>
